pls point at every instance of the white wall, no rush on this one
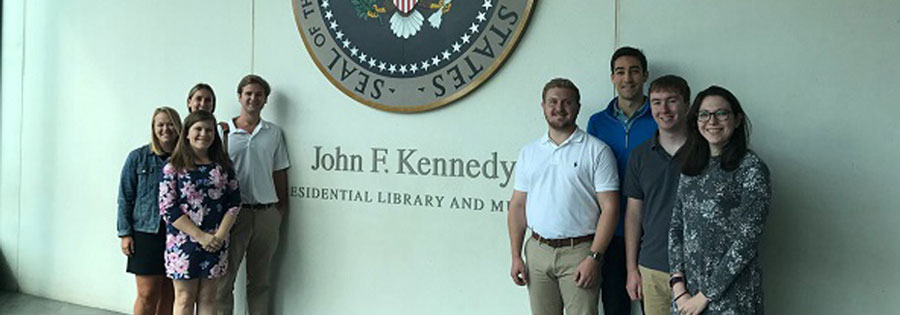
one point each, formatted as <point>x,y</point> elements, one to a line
<point>816,77</point>
<point>818,80</point>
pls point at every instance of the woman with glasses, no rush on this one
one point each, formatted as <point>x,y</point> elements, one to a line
<point>720,210</point>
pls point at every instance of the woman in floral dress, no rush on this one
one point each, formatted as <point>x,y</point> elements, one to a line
<point>199,200</point>
<point>720,210</point>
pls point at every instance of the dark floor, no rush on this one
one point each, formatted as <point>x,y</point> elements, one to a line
<point>12,303</point>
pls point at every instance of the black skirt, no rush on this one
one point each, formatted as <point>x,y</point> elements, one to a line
<point>147,259</point>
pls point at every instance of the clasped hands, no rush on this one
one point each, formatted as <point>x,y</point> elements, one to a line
<point>212,242</point>
<point>691,305</point>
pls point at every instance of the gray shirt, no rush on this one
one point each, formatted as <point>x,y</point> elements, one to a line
<point>652,177</point>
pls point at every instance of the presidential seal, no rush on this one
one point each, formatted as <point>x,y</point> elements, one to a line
<point>410,55</point>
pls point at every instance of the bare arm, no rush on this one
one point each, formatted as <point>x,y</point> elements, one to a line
<point>609,217</point>
<point>587,270</point>
<point>516,224</point>
<point>633,232</point>
<point>281,188</point>
<point>225,226</point>
<point>184,224</point>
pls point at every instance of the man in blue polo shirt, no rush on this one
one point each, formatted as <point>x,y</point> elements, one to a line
<point>623,125</point>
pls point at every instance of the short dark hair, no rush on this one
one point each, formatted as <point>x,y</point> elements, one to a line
<point>695,152</point>
<point>628,51</point>
<point>672,83</point>
<point>253,79</point>
<point>561,83</point>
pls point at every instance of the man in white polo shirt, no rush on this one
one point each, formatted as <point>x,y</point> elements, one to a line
<point>566,192</point>
<point>260,160</point>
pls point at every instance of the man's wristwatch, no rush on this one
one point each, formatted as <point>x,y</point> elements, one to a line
<point>596,256</point>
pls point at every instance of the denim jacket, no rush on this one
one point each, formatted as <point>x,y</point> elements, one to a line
<point>139,192</point>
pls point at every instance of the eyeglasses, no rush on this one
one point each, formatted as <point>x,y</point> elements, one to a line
<point>721,115</point>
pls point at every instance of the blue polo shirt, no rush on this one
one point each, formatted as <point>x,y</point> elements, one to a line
<point>622,134</point>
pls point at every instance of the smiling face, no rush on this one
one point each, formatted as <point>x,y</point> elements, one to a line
<point>202,99</point>
<point>252,98</point>
<point>201,136</point>
<point>668,109</point>
<point>628,76</point>
<point>721,123</point>
<point>560,108</point>
<point>164,128</point>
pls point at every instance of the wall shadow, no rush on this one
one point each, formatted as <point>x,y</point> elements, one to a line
<point>8,280</point>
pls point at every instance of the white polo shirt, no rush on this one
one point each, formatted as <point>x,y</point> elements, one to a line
<point>561,183</point>
<point>256,155</point>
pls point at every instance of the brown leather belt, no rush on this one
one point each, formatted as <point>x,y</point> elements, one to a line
<point>257,206</point>
<point>556,243</point>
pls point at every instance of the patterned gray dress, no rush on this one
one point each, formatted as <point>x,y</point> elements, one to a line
<point>717,224</point>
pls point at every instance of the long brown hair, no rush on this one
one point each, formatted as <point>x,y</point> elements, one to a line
<point>155,145</point>
<point>184,158</point>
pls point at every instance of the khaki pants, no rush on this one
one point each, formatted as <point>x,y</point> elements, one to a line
<point>657,293</point>
<point>255,233</point>
<point>551,280</point>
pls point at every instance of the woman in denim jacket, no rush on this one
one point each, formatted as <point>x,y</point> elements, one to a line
<point>142,232</point>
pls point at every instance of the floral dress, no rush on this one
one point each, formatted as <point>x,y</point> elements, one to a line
<point>716,227</point>
<point>205,195</point>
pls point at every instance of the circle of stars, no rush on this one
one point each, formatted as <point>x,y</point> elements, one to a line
<point>424,65</point>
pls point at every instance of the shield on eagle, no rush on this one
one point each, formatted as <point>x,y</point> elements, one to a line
<point>410,55</point>
<point>404,6</point>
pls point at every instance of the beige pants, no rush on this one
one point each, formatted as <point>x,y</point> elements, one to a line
<point>551,280</point>
<point>255,233</point>
<point>657,293</point>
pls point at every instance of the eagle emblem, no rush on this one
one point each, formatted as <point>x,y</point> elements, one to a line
<point>405,19</point>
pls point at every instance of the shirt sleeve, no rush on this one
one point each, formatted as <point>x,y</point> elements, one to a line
<point>676,234</point>
<point>281,160</point>
<point>754,208</point>
<point>632,185</point>
<point>606,173</point>
<point>232,194</point>
<point>523,176</point>
<point>127,196</point>
<point>169,196</point>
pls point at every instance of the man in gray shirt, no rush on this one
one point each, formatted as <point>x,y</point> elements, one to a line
<point>651,180</point>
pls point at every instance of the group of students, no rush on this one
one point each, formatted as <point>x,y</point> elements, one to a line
<point>695,201</point>
<point>198,198</point>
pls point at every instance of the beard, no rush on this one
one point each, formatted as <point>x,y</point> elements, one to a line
<point>560,124</point>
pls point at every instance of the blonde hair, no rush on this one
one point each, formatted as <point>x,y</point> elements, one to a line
<point>155,146</point>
